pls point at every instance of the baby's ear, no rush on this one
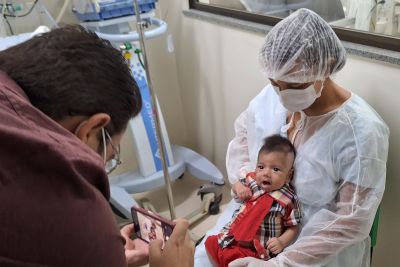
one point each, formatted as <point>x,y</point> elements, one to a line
<point>290,175</point>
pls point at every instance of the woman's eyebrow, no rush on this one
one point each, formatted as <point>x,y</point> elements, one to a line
<point>295,84</point>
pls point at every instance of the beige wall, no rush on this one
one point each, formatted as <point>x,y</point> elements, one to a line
<point>214,72</point>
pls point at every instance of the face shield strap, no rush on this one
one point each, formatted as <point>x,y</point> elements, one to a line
<point>79,127</point>
<point>103,134</point>
<point>112,164</point>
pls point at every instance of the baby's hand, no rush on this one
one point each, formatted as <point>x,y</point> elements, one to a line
<point>241,191</point>
<point>274,245</point>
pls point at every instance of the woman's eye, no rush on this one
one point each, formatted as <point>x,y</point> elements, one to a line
<point>273,83</point>
<point>299,86</point>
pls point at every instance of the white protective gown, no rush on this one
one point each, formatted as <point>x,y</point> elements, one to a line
<point>340,173</point>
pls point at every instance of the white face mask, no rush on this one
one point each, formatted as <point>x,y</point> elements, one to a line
<point>298,99</point>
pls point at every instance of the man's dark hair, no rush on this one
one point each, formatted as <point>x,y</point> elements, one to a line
<point>70,71</point>
<point>277,143</point>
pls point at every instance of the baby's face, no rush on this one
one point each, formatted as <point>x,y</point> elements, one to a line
<point>273,170</point>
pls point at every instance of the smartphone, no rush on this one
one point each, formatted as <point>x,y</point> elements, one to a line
<point>150,226</point>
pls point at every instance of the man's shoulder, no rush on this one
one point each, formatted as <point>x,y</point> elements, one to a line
<point>68,231</point>
<point>39,149</point>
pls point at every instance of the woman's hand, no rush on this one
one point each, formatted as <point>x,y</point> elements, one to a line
<point>136,251</point>
<point>178,250</point>
<point>241,191</point>
<point>248,262</point>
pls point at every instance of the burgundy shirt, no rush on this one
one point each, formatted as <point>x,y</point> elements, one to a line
<point>53,192</point>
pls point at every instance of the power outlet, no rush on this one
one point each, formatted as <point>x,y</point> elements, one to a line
<point>19,22</point>
<point>23,7</point>
<point>7,8</point>
<point>15,8</point>
<point>397,10</point>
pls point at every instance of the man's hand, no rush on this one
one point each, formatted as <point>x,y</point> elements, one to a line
<point>275,245</point>
<point>178,250</point>
<point>241,191</point>
<point>136,251</point>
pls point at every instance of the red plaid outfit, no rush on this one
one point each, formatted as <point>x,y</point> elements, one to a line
<point>262,217</point>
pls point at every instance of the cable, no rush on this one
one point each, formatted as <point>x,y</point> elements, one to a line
<point>23,15</point>
<point>9,25</point>
<point>14,16</point>
<point>138,52</point>
<point>381,2</point>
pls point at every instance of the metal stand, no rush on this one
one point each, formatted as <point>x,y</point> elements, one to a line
<point>160,142</point>
<point>159,162</point>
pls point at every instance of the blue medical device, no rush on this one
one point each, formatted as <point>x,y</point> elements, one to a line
<point>95,10</point>
<point>179,159</point>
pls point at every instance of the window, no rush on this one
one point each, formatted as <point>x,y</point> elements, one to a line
<point>368,22</point>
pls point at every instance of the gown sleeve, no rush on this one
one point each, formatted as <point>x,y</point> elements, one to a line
<point>237,158</point>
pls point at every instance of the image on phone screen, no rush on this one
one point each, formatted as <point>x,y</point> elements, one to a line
<point>148,227</point>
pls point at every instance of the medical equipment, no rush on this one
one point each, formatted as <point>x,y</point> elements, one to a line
<point>94,10</point>
<point>27,15</point>
<point>148,129</point>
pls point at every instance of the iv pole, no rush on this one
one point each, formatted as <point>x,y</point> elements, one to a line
<point>160,140</point>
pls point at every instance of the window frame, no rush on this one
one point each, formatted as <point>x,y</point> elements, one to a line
<point>354,36</point>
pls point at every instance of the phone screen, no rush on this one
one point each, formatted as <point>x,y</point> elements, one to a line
<point>150,226</point>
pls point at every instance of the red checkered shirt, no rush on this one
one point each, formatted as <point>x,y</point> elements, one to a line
<point>285,212</point>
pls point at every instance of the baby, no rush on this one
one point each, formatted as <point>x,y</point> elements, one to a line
<point>268,221</point>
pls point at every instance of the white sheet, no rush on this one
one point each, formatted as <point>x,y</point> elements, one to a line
<point>200,255</point>
<point>6,42</point>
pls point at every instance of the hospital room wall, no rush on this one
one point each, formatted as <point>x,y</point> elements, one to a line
<point>218,73</point>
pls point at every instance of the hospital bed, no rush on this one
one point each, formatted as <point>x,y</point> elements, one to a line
<point>8,41</point>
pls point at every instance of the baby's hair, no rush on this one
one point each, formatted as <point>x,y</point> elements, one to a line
<point>277,143</point>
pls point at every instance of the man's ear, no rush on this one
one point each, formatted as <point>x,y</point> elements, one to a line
<point>91,127</point>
